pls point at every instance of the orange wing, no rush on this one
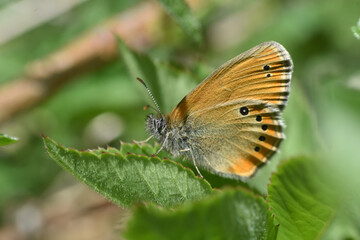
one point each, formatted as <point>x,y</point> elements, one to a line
<point>244,76</point>
<point>228,141</point>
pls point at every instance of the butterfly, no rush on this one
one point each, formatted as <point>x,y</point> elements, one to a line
<point>230,124</point>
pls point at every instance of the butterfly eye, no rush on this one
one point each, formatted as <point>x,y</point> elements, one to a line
<point>264,127</point>
<point>262,138</point>
<point>258,118</point>
<point>257,149</point>
<point>266,67</point>
<point>244,111</point>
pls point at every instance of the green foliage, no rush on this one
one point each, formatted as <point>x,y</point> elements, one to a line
<point>180,11</point>
<point>228,214</point>
<point>142,67</point>
<point>302,199</point>
<point>129,178</point>
<point>160,78</point>
<point>6,140</point>
<point>356,30</point>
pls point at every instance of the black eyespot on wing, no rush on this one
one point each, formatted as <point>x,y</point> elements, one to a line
<point>264,127</point>
<point>266,67</point>
<point>258,118</point>
<point>268,75</point>
<point>262,138</point>
<point>244,111</point>
<point>257,149</point>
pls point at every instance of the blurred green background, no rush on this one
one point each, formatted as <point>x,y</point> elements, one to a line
<point>105,106</point>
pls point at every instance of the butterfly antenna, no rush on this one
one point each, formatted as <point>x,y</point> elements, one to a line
<point>143,83</point>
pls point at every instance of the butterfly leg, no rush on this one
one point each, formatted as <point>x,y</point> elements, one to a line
<point>163,144</point>
<point>144,141</point>
<point>193,158</point>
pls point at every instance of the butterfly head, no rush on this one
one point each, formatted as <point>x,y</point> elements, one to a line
<point>156,125</point>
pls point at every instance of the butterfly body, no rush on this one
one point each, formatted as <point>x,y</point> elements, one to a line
<point>231,123</point>
<point>180,135</point>
<point>180,139</point>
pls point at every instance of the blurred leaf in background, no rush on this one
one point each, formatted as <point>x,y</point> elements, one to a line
<point>356,30</point>
<point>182,14</point>
<point>6,140</point>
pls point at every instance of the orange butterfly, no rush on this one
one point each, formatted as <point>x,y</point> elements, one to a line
<point>231,123</point>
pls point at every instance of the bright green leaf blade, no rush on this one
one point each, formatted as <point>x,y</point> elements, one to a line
<point>127,179</point>
<point>127,148</point>
<point>232,214</point>
<point>302,199</point>
<point>181,12</point>
<point>6,140</point>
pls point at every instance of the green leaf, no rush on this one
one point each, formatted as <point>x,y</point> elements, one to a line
<point>6,140</point>
<point>131,178</point>
<point>302,199</point>
<point>142,67</point>
<point>356,30</point>
<point>230,214</point>
<point>181,12</point>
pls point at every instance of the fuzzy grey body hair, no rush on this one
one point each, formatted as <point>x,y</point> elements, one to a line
<point>173,139</point>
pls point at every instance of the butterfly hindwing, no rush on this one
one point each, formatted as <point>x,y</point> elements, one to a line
<point>235,144</point>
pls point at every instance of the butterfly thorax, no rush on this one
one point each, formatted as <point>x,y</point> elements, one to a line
<point>173,138</point>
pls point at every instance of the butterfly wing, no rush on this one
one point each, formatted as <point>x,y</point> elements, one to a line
<point>234,114</point>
